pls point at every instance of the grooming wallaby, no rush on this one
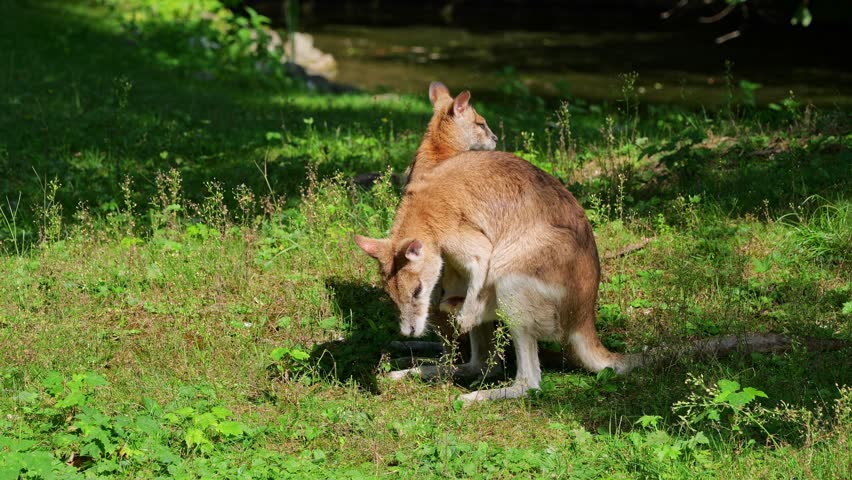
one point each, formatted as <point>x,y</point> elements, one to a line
<point>518,241</point>
<point>455,128</point>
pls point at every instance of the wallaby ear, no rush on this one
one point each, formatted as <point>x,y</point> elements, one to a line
<point>437,91</point>
<point>461,102</point>
<point>371,246</point>
<point>414,251</point>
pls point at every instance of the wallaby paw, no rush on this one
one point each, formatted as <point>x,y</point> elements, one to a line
<point>424,372</point>
<point>466,322</point>
<point>400,374</point>
<point>515,391</point>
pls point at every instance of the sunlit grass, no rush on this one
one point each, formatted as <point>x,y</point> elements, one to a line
<point>193,284</point>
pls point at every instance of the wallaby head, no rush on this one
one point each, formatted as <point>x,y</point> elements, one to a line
<point>410,270</point>
<point>455,122</point>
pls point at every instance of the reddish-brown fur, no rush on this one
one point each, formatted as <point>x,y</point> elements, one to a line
<point>455,128</point>
<point>519,237</point>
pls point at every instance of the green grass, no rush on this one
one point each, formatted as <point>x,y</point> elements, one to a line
<point>181,297</point>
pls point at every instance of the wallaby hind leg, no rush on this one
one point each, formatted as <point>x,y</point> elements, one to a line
<point>527,377</point>
<point>532,310</point>
<point>481,348</point>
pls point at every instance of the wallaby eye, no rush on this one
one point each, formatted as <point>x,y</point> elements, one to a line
<point>417,290</point>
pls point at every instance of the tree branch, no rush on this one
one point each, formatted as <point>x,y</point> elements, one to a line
<point>668,13</point>
<point>715,18</point>
<point>628,249</point>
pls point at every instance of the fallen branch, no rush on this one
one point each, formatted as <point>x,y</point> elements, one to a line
<point>668,13</point>
<point>715,18</point>
<point>713,347</point>
<point>761,342</point>
<point>728,36</point>
<point>633,247</point>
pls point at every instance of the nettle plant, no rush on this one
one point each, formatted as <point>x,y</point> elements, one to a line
<point>83,437</point>
<point>726,407</point>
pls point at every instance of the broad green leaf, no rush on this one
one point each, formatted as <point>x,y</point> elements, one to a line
<point>277,353</point>
<point>54,383</point>
<point>10,470</point>
<point>194,437</point>
<point>231,428</point>
<point>107,466</point>
<point>700,438</point>
<point>184,412</point>
<point>739,399</point>
<point>668,451</point>
<point>726,388</point>
<point>657,437</point>
<point>91,450</point>
<point>73,399</point>
<point>147,425</point>
<point>728,385</point>
<point>221,412</point>
<point>8,444</point>
<point>755,392</point>
<point>299,354</point>
<point>95,380</point>
<point>40,464</point>
<point>205,420</point>
<point>151,405</point>
<point>581,435</point>
<point>646,420</point>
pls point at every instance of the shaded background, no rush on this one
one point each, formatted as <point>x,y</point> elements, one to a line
<point>578,48</point>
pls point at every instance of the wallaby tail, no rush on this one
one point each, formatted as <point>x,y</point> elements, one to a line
<point>590,352</point>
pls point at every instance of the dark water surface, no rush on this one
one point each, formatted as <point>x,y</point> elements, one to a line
<point>554,48</point>
<point>405,59</point>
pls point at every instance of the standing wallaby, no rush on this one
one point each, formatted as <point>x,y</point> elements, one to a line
<point>517,239</point>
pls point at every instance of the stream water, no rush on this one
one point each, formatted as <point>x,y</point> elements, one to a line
<point>583,53</point>
<point>551,64</point>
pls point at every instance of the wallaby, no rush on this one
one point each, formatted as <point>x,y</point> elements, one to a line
<point>518,241</point>
<point>455,128</point>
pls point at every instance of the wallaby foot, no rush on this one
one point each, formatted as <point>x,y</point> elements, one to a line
<point>517,390</point>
